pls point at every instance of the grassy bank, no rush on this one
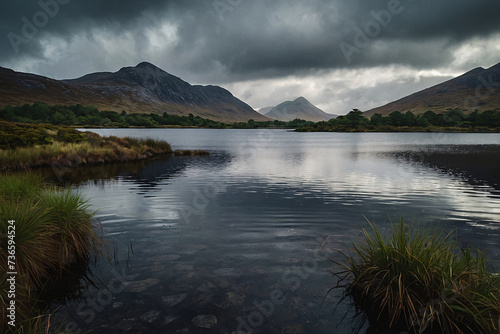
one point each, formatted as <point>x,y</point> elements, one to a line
<point>52,231</point>
<point>25,146</point>
<point>421,281</point>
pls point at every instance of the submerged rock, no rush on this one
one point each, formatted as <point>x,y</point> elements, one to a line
<point>205,321</point>
<point>170,318</point>
<point>140,286</point>
<point>230,300</point>
<point>117,304</point>
<point>234,298</point>
<point>226,272</point>
<point>181,285</point>
<point>150,316</point>
<point>174,300</point>
<point>206,286</point>
<point>126,324</point>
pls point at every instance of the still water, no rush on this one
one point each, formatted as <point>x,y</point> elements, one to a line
<point>238,240</point>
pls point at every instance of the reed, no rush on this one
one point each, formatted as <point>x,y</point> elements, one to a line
<point>421,281</point>
<point>53,230</point>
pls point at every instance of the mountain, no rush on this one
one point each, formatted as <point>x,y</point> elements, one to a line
<point>143,89</point>
<point>299,108</point>
<point>265,110</point>
<point>477,89</point>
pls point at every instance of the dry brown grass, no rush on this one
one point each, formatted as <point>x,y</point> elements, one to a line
<point>95,150</point>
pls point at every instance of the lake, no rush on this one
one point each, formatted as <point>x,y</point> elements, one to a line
<point>239,240</point>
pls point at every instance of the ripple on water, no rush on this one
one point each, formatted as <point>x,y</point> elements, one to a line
<point>214,235</point>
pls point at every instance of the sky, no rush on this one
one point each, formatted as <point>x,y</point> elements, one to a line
<point>338,54</point>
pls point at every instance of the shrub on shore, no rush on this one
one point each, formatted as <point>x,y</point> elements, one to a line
<point>421,281</point>
<point>53,230</point>
<point>14,135</point>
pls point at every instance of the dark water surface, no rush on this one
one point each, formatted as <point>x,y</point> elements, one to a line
<point>236,238</point>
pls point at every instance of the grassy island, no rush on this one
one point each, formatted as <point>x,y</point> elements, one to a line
<point>25,146</point>
<point>421,281</point>
<point>44,231</point>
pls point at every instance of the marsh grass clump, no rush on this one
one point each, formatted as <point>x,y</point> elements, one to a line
<point>53,231</point>
<point>421,281</point>
<point>73,150</point>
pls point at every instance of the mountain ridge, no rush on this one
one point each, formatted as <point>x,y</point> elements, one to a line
<point>478,89</point>
<point>144,88</point>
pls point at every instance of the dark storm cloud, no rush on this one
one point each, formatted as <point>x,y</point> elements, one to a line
<point>257,39</point>
<point>266,39</point>
<point>30,20</point>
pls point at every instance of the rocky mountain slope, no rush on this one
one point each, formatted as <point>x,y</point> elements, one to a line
<point>144,89</point>
<point>477,89</point>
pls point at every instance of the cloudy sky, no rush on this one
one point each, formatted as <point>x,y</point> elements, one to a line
<point>338,54</point>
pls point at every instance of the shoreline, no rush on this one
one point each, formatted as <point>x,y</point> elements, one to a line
<point>27,146</point>
<point>394,130</point>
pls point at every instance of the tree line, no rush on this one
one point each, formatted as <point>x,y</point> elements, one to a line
<point>452,118</point>
<point>88,116</point>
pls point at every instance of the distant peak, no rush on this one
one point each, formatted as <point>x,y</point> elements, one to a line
<point>301,98</point>
<point>146,65</point>
<point>143,67</point>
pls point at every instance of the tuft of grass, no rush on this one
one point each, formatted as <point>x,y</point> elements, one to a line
<point>53,230</point>
<point>71,221</point>
<point>15,186</point>
<point>158,145</point>
<point>421,281</point>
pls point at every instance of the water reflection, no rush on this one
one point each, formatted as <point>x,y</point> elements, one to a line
<point>219,234</point>
<point>479,165</point>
